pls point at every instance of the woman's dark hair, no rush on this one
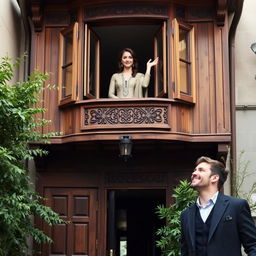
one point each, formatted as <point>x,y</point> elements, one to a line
<point>135,63</point>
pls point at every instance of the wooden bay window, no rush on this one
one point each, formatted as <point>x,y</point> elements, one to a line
<point>95,40</point>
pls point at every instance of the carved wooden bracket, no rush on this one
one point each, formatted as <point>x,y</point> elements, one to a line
<point>37,15</point>
<point>221,12</point>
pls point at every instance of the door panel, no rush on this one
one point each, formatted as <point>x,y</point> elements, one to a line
<point>78,206</point>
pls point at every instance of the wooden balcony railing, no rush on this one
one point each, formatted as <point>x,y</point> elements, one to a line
<point>149,118</point>
<point>123,115</point>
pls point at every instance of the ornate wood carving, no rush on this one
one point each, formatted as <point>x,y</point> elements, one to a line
<point>127,9</point>
<point>37,16</point>
<point>221,12</point>
<point>135,178</point>
<point>105,116</point>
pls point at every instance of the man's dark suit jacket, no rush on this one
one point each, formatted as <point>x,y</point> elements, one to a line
<point>231,226</point>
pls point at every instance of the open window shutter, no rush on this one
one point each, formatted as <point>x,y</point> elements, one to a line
<point>184,61</point>
<point>91,64</point>
<point>160,70</point>
<point>68,64</point>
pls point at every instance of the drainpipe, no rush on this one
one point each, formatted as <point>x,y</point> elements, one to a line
<point>238,7</point>
<point>27,38</point>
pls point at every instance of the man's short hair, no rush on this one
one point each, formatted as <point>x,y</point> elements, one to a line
<point>217,168</point>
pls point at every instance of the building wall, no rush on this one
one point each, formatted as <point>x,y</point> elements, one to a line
<point>10,28</point>
<point>11,31</point>
<point>245,75</point>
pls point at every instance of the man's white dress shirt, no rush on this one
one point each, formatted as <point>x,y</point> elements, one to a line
<point>205,210</point>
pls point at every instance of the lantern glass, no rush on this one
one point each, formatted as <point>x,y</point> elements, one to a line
<point>125,146</point>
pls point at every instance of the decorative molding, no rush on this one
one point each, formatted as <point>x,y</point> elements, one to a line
<point>57,18</point>
<point>126,116</point>
<point>37,16</point>
<point>160,178</point>
<point>221,12</point>
<point>200,13</point>
<point>127,9</point>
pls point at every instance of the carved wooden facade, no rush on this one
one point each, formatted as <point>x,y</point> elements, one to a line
<point>186,114</point>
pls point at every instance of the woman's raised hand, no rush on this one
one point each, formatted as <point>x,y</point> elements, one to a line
<point>151,63</point>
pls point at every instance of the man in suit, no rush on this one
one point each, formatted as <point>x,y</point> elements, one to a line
<point>216,225</point>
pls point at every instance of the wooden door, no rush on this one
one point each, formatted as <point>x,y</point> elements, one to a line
<point>78,237</point>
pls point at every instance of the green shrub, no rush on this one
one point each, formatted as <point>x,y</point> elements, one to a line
<point>169,241</point>
<point>18,127</point>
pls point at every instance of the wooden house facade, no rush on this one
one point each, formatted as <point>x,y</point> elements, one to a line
<point>110,203</point>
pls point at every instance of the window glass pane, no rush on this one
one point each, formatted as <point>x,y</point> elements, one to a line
<point>67,81</point>
<point>184,78</point>
<point>93,63</point>
<point>183,44</point>
<point>68,45</point>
